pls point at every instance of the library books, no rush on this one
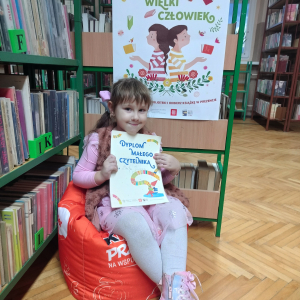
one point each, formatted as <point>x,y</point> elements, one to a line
<point>273,40</point>
<point>107,79</point>
<point>93,105</point>
<point>269,64</point>
<point>88,80</point>
<point>26,206</point>
<point>92,24</point>
<point>276,17</point>
<point>204,176</point>
<point>264,86</point>
<point>262,107</point>
<point>224,101</point>
<point>292,12</point>
<point>46,26</point>
<point>25,115</point>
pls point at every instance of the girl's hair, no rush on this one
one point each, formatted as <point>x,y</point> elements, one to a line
<point>126,89</point>
<point>162,39</point>
<point>173,33</point>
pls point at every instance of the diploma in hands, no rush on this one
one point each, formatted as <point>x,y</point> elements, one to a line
<point>138,182</point>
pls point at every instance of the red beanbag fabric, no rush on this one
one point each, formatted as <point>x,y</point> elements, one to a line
<point>96,265</point>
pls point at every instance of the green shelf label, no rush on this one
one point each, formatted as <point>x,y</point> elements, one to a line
<point>18,40</point>
<point>38,146</point>
<point>39,238</point>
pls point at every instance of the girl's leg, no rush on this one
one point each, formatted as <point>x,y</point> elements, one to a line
<point>174,250</point>
<point>142,245</point>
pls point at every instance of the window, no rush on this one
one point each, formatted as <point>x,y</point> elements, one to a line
<point>248,26</point>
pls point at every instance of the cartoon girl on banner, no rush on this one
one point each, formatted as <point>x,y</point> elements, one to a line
<point>158,38</point>
<point>177,66</point>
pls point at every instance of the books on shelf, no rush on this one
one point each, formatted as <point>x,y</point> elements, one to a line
<point>26,206</point>
<point>92,24</point>
<point>93,105</point>
<point>276,17</point>
<point>292,12</point>
<point>25,115</point>
<point>269,64</point>
<point>204,176</point>
<point>107,79</point>
<point>262,107</point>
<point>271,2</point>
<point>224,101</point>
<point>46,25</point>
<point>88,80</point>
<point>273,40</point>
<point>264,86</point>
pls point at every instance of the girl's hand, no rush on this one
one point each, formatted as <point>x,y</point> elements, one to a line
<point>109,166</point>
<point>167,162</point>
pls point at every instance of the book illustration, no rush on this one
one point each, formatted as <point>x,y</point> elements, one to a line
<point>117,136</point>
<point>152,190</point>
<point>129,22</point>
<point>154,141</point>
<point>130,48</point>
<point>207,49</point>
<point>217,41</point>
<point>150,13</point>
<point>119,200</point>
<point>206,2</point>
<point>202,33</point>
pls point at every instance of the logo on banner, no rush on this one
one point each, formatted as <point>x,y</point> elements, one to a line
<point>173,112</point>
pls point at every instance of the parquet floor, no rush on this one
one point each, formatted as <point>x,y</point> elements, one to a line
<point>257,256</point>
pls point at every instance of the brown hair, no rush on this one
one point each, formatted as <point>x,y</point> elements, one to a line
<point>126,89</point>
<point>162,39</point>
<point>173,33</point>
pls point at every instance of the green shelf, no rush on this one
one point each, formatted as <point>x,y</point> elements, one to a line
<point>26,266</point>
<point>31,163</point>
<point>106,5</point>
<point>236,110</point>
<point>98,69</point>
<point>42,61</point>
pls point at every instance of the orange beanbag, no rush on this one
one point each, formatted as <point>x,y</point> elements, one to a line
<point>96,265</point>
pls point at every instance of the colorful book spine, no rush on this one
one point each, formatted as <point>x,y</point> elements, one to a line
<point>3,150</point>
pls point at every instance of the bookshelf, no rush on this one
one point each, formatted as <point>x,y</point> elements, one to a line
<point>215,136</point>
<point>272,102</point>
<point>36,62</point>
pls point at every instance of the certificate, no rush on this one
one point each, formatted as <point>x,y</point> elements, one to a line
<point>138,181</point>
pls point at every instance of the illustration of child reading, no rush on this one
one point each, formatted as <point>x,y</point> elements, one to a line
<point>178,38</point>
<point>158,38</point>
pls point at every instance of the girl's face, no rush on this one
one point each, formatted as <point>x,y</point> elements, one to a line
<point>183,39</point>
<point>131,117</point>
<point>151,39</point>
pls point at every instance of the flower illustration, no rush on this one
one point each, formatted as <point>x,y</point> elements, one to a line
<point>183,77</point>
<point>193,74</point>
<point>210,78</point>
<point>167,82</point>
<point>196,94</point>
<point>205,67</point>
<point>131,65</point>
<point>120,32</point>
<point>151,77</point>
<point>125,76</point>
<point>142,72</point>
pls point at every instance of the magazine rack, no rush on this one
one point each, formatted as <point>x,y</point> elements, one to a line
<point>212,137</point>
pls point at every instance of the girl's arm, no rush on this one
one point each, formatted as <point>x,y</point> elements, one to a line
<point>143,62</point>
<point>194,61</point>
<point>84,173</point>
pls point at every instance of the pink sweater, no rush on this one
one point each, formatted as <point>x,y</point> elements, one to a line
<point>84,173</point>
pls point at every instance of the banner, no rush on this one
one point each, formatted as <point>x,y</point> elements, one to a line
<point>177,49</point>
<point>138,182</point>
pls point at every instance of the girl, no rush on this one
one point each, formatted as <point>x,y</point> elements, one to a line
<point>178,38</point>
<point>158,38</point>
<point>156,235</point>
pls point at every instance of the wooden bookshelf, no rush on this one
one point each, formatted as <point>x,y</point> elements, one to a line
<point>291,74</point>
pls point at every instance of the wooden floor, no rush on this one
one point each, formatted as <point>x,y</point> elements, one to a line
<point>257,256</point>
